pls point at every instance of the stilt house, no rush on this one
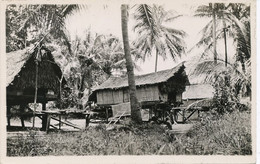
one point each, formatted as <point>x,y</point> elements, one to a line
<point>161,87</point>
<point>21,77</point>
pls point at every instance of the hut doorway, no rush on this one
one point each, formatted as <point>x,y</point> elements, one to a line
<point>172,98</point>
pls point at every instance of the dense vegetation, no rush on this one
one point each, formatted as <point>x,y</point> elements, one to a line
<point>229,134</point>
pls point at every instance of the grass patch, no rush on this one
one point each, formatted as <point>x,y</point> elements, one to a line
<point>228,135</point>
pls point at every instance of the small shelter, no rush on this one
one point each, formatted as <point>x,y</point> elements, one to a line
<point>161,87</point>
<point>197,92</point>
<point>22,73</point>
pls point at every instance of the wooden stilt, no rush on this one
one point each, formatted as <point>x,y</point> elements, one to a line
<point>22,107</point>
<point>183,117</point>
<point>87,120</point>
<point>48,122</point>
<point>106,115</point>
<point>8,116</point>
<point>59,122</point>
<point>44,117</point>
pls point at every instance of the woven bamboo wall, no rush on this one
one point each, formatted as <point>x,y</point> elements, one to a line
<point>143,93</point>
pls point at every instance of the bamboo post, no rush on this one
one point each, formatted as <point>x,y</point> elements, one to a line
<point>36,85</point>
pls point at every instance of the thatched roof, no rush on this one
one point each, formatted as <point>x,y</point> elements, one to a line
<point>21,69</point>
<point>202,72</point>
<point>147,79</point>
<point>198,91</point>
<point>15,61</point>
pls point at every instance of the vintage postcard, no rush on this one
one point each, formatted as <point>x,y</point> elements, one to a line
<point>128,81</point>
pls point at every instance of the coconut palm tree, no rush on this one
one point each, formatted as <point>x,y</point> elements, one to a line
<point>30,23</point>
<point>234,16</point>
<point>153,34</point>
<point>209,32</point>
<point>135,111</point>
<point>240,14</point>
<point>236,77</point>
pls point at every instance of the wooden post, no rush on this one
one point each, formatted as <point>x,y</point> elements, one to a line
<point>44,117</point>
<point>87,117</point>
<point>48,122</point>
<point>59,121</point>
<point>22,106</point>
<point>183,118</point>
<point>8,116</point>
<point>107,115</point>
<point>150,113</point>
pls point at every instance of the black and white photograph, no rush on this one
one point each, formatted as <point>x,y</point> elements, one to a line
<point>154,79</point>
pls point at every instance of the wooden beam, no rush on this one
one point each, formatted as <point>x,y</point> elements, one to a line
<point>66,123</point>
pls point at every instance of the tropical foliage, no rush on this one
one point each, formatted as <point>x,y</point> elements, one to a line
<point>85,62</point>
<point>155,35</point>
<point>94,59</point>
<point>28,24</point>
<point>233,16</point>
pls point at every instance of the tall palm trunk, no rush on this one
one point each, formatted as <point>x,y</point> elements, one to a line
<point>214,33</point>
<point>135,111</point>
<point>156,60</point>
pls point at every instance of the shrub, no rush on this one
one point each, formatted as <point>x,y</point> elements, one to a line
<point>227,134</point>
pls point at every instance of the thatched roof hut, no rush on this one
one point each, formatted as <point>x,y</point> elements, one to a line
<point>21,75</point>
<point>166,85</point>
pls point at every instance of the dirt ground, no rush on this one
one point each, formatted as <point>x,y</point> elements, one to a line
<point>176,128</point>
<point>38,123</point>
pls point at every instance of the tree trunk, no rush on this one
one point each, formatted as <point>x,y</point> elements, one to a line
<point>156,60</point>
<point>214,33</point>
<point>135,106</point>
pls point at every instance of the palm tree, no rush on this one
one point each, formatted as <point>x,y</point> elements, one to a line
<point>100,53</point>
<point>153,34</point>
<point>135,111</point>
<point>36,22</point>
<point>240,14</point>
<point>236,77</point>
<point>237,18</point>
<point>209,38</point>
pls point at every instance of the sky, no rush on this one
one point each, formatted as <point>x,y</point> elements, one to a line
<point>107,21</point>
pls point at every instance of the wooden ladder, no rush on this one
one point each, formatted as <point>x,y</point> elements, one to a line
<point>116,118</point>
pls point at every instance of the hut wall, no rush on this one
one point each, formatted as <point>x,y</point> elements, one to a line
<point>110,97</point>
<point>148,93</point>
<point>126,97</point>
<point>143,93</point>
<point>118,96</point>
<point>100,98</point>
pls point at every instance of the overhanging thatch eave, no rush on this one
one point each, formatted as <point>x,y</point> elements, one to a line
<point>147,79</point>
<point>15,61</point>
<point>21,67</point>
